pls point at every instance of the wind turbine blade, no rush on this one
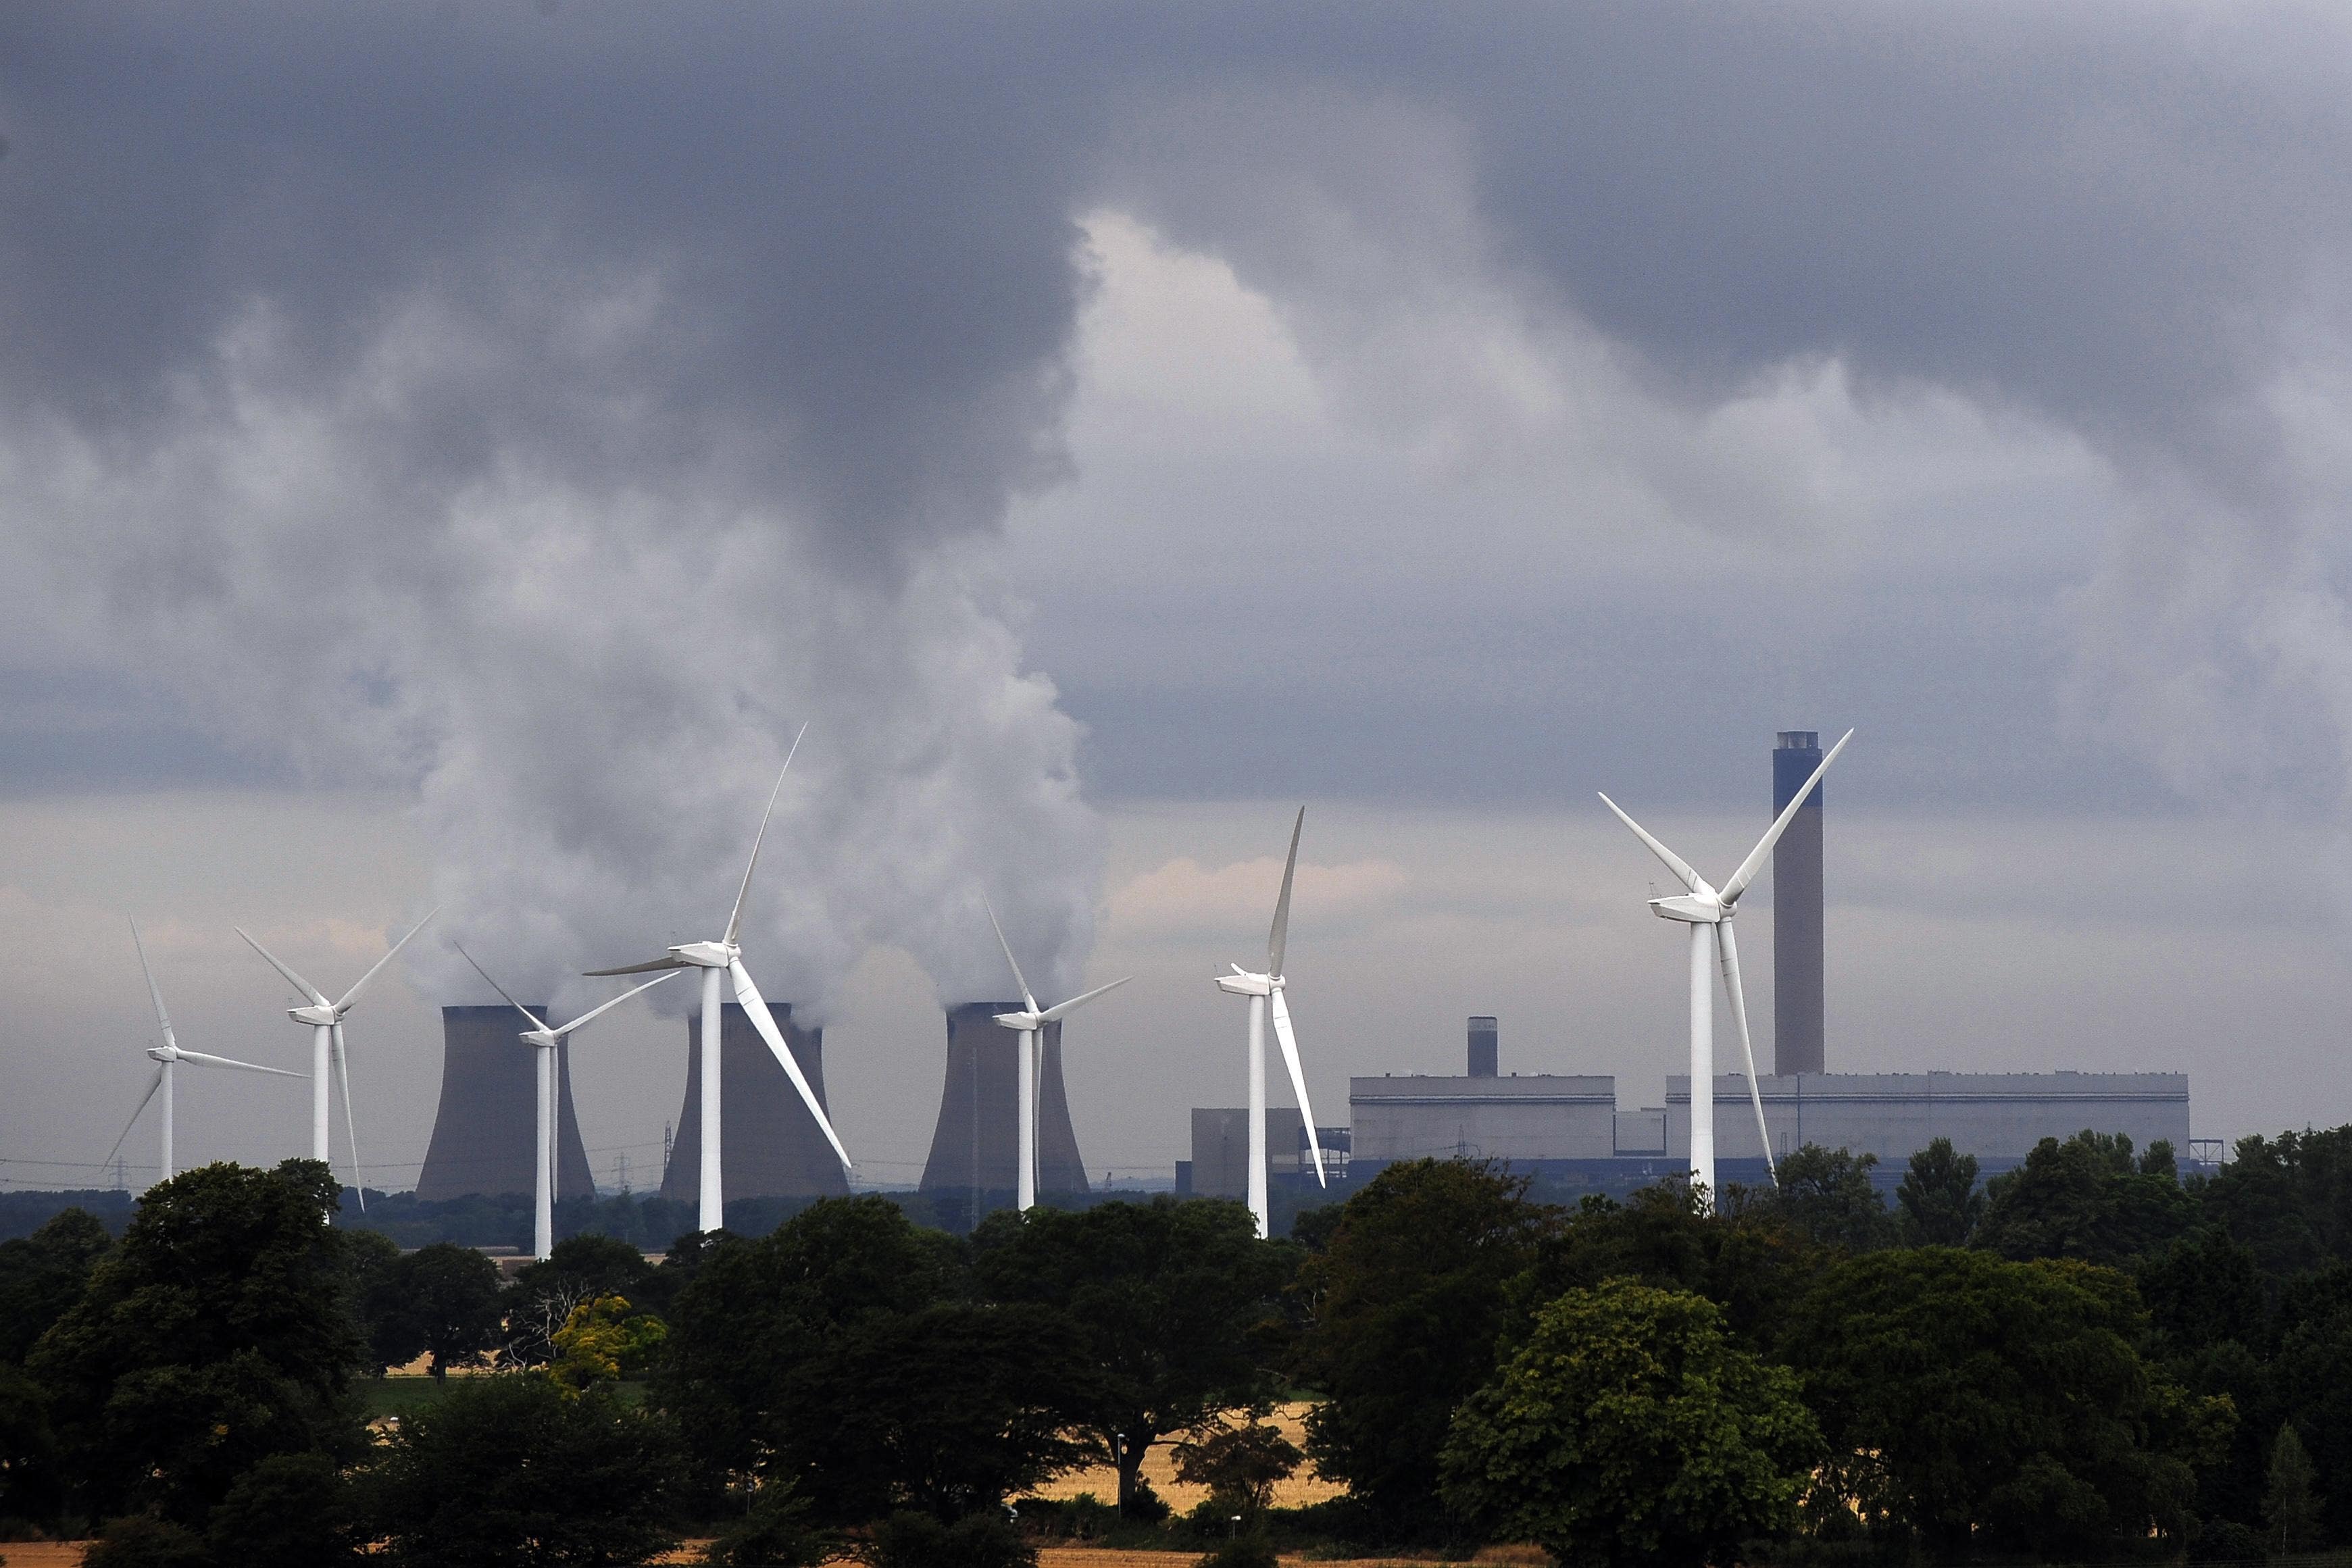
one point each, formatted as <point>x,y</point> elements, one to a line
<point>1727,947</point>
<point>1064,1010</point>
<point>608,1006</point>
<point>198,1056</point>
<point>1027,1000</point>
<point>671,962</point>
<point>1278,938</point>
<point>162,1017</point>
<point>344,1075</point>
<point>353,994</point>
<point>293,979</point>
<point>1753,866</point>
<point>735,919</point>
<point>536,1022</point>
<point>1289,1043</point>
<point>1692,882</point>
<point>153,1085</point>
<point>756,1006</point>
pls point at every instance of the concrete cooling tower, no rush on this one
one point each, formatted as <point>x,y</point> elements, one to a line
<point>769,1145</point>
<point>977,1143</point>
<point>484,1132</point>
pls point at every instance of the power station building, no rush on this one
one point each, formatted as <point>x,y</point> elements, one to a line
<point>1996,1116</point>
<point>976,1147</point>
<point>1798,988</point>
<point>770,1146</point>
<point>486,1130</point>
<point>1480,1115</point>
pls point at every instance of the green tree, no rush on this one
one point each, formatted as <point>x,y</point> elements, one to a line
<point>1173,1302</point>
<point>43,1274</point>
<point>1826,1195</point>
<point>757,1312</point>
<point>577,1270</point>
<point>1405,1305</point>
<point>1631,1429</point>
<point>219,1332</point>
<point>512,1470</point>
<point>950,1409</point>
<point>291,1511</point>
<point>1742,1257</point>
<point>2290,1504</point>
<point>1241,1465</point>
<point>1939,1202</point>
<point>2288,1199</point>
<point>2311,1370</point>
<point>441,1300</point>
<point>1967,1398</point>
<point>2085,1198</point>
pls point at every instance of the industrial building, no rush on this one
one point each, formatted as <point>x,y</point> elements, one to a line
<point>485,1133</point>
<point>1570,1126</point>
<point>1798,970</point>
<point>976,1147</point>
<point>770,1146</point>
<point>1996,1116</point>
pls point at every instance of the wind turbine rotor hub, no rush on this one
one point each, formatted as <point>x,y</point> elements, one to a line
<point>1691,909</point>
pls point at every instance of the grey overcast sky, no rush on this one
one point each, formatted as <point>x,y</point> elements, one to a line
<point>445,452</point>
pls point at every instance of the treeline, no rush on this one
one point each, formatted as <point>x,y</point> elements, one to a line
<point>2086,1358</point>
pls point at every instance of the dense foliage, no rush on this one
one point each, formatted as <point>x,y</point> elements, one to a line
<point>1630,1429</point>
<point>2087,1356</point>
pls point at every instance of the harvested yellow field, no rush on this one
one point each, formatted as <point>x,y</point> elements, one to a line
<point>43,1553</point>
<point>1095,1557</point>
<point>1159,1470</point>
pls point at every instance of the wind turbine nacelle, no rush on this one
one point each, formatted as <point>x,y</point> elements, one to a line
<point>1024,1021</point>
<point>1246,985</point>
<point>162,1053</point>
<point>544,1038</point>
<point>1690,909</point>
<point>317,1018</point>
<point>707,955</point>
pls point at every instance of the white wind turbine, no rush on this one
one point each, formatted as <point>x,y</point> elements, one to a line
<point>1703,907</point>
<point>544,1041</point>
<point>166,1057</point>
<point>326,1022</point>
<point>1264,994</point>
<point>1031,1022</point>
<point>726,957</point>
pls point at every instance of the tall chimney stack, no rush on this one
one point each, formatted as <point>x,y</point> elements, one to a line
<point>1486,1059</point>
<point>1797,967</point>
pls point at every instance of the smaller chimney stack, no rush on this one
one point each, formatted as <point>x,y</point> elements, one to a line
<point>1485,1059</point>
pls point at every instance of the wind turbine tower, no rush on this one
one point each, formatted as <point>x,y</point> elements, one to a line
<point>545,1042</point>
<point>167,1056</point>
<point>1704,908</point>
<point>326,1022</point>
<point>725,957</point>
<point>1264,994</point>
<point>1029,1021</point>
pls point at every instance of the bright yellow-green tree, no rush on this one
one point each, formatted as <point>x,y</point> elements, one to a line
<point>602,1341</point>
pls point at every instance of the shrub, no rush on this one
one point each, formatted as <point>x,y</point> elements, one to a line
<point>144,1540</point>
<point>510,1468</point>
<point>921,1540</point>
<point>775,1534</point>
<point>1251,1550</point>
<point>291,1511</point>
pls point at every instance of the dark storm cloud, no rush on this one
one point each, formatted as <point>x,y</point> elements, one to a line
<point>452,395</point>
